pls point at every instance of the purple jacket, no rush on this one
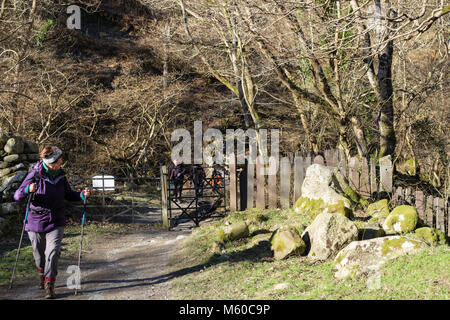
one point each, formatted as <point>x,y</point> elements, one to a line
<point>47,205</point>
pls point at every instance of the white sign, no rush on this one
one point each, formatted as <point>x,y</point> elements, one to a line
<point>100,182</point>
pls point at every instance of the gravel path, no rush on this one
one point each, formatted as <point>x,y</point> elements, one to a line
<point>132,266</point>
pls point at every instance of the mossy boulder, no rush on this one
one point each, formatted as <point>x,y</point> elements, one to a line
<point>378,210</point>
<point>363,257</point>
<point>328,234</point>
<point>403,219</point>
<point>233,231</point>
<point>431,236</point>
<point>287,242</point>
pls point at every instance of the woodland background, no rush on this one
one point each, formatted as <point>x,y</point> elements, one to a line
<point>367,76</point>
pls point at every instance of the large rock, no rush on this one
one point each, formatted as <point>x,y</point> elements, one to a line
<point>12,158</point>
<point>15,177</point>
<point>233,231</point>
<point>287,242</point>
<point>369,255</point>
<point>14,145</point>
<point>431,236</point>
<point>403,219</point>
<point>320,194</point>
<point>9,208</point>
<point>6,171</point>
<point>328,234</point>
<point>378,211</point>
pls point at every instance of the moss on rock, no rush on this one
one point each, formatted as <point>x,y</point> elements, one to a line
<point>233,232</point>
<point>379,209</point>
<point>431,236</point>
<point>392,245</point>
<point>401,220</point>
<point>355,197</point>
<point>314,207</point>
<point>287,242</point>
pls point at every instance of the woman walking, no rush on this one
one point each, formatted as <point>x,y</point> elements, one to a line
<point>45,224</point>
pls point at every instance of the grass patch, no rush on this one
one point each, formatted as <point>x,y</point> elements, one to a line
<point>245,269</point>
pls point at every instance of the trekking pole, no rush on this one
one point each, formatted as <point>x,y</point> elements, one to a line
<point>81,240</point>
<point>20,242</point>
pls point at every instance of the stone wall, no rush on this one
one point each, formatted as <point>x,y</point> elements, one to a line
<point>16,156</point>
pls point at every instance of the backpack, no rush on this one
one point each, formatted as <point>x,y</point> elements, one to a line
<point>216,178</point>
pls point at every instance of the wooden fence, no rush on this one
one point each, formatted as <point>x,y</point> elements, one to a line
<point>250,188</point>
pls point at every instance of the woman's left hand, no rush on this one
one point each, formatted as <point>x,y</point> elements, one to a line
<point>87,192</point>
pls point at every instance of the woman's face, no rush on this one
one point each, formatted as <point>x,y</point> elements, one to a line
<point>56,165</point>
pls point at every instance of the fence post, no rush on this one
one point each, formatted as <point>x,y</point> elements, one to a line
<point>243,187</point>
<point>353,173</point>
<point>299,175</point>
<point>420,205</point>
<point>429,211</point>
<point>260,183</point>
<point>439,212</point>
<point>164,204</point>
<point>364,179</point>
<point>233,183</point>
<point>272,183</point>
<point>250,184</point>
<point>373,177</point>
<point>386,174</point>
<point>285,182</point>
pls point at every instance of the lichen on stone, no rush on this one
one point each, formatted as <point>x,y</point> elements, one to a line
<point>314,207</point>
<point>389,245</point>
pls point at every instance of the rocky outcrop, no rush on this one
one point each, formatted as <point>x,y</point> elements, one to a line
<point>328,234</point>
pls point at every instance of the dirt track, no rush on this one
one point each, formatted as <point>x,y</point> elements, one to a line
<point>132,266</point>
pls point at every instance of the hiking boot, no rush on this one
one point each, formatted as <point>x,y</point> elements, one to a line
<point>41,281</point>
<point>50,290</point>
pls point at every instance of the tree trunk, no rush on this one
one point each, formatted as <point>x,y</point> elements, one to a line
<point>386,115</point>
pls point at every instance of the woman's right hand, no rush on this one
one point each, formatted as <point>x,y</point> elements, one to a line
<point>32,188</point>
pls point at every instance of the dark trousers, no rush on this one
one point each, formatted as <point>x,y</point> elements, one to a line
<point>198,186</point>
<point>178,185</point>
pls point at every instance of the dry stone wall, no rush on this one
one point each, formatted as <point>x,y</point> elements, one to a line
<point>16,156</point>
